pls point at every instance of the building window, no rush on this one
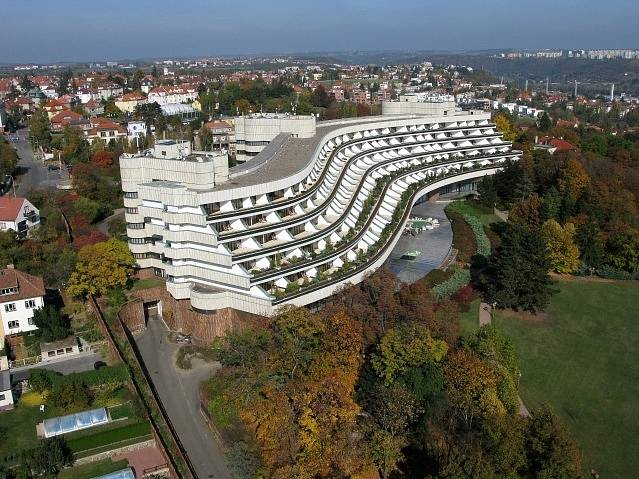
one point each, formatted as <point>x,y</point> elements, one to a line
<point>9,307</point>
<point>30,303</point>
<point>132,211</point>
<point>2,397</point>
<point>131,195</point>
<point>135,226</point>
<point>137,240</point>
<point>139,255</point>
<point>13,324</point>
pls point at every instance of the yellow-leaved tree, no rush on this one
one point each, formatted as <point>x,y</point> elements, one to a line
<point>561,250</point>
<point>101,267</point>
<point>504,125</point>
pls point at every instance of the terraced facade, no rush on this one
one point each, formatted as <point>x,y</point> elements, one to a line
<point>303,217</point>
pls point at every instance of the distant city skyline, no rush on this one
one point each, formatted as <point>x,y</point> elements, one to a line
<point>38,31</point>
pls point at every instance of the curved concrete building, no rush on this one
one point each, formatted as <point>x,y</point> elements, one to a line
<point>303,217</point>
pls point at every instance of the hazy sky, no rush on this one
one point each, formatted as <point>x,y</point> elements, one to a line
<point>57,30</point>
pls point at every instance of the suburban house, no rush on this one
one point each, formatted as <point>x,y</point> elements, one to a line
<point>553,145</point>
<point>136,129</point>
<point>18,214</point>
<point>66,118</point>
<point>55,106</point>
<point>20,295</point>
<point>223,134</point>
<point>94,108</point>
<point>104,129</point>
<point>147,84</point>
<point>166,95</point>
<point>129,101</point>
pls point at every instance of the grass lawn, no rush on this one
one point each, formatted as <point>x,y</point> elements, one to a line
<point>470,319</point>
<point>485,214</point>
<point>146,283</point>
<point>583,360</point>
<point>94,469</point>
<point>114,437</point>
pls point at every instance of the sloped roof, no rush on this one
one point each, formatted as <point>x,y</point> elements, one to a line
<point>29,286</point>
<point>10,207</point>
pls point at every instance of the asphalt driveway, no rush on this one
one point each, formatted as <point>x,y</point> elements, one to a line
<point>178,392</point>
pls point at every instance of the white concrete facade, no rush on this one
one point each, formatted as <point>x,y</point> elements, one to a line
<point>17,315</point>
<point>253,132</point>
<point>277,234</point>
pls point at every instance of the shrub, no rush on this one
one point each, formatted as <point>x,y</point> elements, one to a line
<point>481,239</point>
<point>609,272</point>
<point>41,380</point>
<point>73,395</point>
<point>458,280</point>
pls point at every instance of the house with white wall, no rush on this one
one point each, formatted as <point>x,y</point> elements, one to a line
<point>6,396</point>
<point>20,295</point>
<point>18,214</point>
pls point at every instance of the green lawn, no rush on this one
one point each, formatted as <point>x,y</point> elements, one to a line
<point>470,319</point>
<point>583,360</point>
<point>485,214</point>
<point>103,436</point>
<point>94,469</point>
<point>147,283</point>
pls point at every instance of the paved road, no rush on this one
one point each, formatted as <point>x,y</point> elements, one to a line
<point>85,362</point>
<point>32,173</point>
<point>178,392</point>
<point>434,245</point>
<point>103,225</point>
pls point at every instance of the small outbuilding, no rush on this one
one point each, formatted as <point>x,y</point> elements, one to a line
<point>64,348</point>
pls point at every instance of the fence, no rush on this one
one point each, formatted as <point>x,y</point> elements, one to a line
<point>141,381</point>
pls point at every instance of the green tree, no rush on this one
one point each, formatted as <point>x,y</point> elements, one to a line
<point>47,459</point>
<point>545,123</point>
<point>517,274</point>
<point>52,323</point>
<point>549,450</point>
<point>40,129</point>
<point>8,159</point>
<point>405,347</point>
<point>64,82</point>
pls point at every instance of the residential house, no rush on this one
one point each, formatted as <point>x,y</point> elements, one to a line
<point>55,106</point>
<point>109,90</point>
<point>20,295</point>
<point>65,118</point>
<point>87,94</point>
<point>223,134</point>
<point>166,95</point>
<point>146,85</point>
<point>136,129</point>
<point>129,101</point>
<point>94,108</point>
<point>18,214</point>
<point>104,129</point>
<point>553,145</point>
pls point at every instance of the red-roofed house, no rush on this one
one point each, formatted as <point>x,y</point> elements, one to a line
<point>68,118</point>
<point>94,108</point>
<point>104,129</point>
<point>554,145</point>
<point>20,295</point>
<point>54,106</point>
<point>17,214</point>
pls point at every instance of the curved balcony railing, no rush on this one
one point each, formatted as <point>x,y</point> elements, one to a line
<point>222,215</point>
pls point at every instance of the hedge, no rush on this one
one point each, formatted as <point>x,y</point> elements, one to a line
<point>109,437</point>
<point>457,281</point>
<point>112,375</point>
<point>483,243</point>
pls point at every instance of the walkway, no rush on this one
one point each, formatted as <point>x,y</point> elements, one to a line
<point>434,245</point>
<point>178,392</point>
<point>485,318</point>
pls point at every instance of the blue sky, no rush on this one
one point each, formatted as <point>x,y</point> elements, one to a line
<point>58,30</point>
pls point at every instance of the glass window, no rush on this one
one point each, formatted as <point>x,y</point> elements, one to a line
<point>9,307</point>
<point>13,324</point>
<point>30,303</point>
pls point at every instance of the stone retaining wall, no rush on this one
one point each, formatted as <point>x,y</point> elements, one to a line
<point>115,452</point>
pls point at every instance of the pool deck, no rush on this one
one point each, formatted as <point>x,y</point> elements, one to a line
<point>434,245</point>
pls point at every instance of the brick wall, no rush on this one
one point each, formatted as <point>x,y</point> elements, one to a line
<point>179,316</point>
